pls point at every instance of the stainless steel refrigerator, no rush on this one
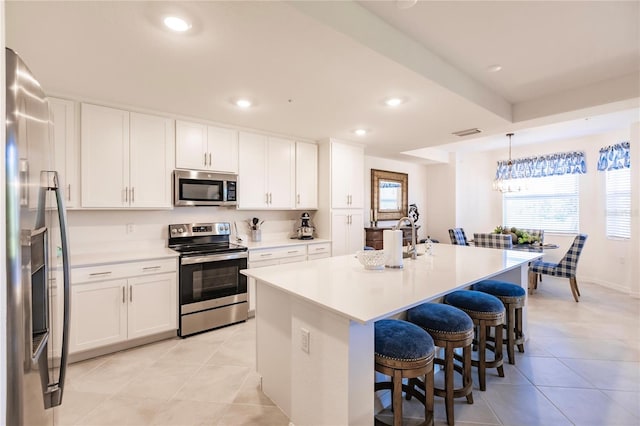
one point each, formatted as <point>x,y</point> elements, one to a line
<point>37,265</point>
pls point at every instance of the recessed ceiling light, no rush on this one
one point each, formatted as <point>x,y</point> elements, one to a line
<point>177,24</point>
<point>494,68</point>
<point>243,103</point>
<point>360,132</point>
<point>393,102</point>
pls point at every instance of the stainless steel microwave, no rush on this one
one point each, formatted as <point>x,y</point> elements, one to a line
<point>193,188</point>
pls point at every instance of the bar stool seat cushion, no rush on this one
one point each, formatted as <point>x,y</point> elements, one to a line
<point>500,288</point>
<point>440,317</point>
<point>474,301</point>
<point>401,340</point>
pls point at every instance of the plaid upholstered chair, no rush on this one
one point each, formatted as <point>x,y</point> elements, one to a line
<point>566,268</point>
<point>499,241</point>
<point>458,237</point>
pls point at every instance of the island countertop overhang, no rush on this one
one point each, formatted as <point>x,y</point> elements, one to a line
<point>342,285</point>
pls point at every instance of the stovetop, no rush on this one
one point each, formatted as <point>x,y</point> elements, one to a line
<point>202,238</point>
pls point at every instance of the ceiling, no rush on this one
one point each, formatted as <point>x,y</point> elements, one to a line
<point>323,69</point>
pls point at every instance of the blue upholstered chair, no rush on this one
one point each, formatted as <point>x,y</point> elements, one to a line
<point>450,329</point>
<point>487,312</point>
<point>404,350</point>
<point>566,268</point>
<point>513,298</point>
<point>458,237</point>
<point>498,241</point>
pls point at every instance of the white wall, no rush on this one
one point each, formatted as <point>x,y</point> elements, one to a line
<point>604,261</point>
<point>441,196</point>
<point>417,189</point>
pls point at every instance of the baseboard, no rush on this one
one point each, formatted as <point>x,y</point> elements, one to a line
<point>128,344</point>
<point>609,284</point>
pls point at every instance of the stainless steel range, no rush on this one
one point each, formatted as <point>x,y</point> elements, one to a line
<point>213,293</point>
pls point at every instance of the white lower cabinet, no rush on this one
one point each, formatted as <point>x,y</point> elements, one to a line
<point>110,304</point>
<point>347,231</point>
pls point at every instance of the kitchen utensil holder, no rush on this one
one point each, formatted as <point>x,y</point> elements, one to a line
<point>256,235</point>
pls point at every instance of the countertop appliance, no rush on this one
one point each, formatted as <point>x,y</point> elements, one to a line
<point>212,293</point>
<point>35,223</point>
<point>305,230</point>
<point>192,188</point>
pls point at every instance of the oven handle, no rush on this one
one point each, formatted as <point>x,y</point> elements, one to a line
<point>212,258</point>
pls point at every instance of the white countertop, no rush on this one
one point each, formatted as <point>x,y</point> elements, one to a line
<point>342,285</point>
<point>94,259</point>
<point>251,245</point>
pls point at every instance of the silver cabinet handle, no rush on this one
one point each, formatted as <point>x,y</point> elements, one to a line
<point>205,158</point>
<point>266,254</point>
<point>98,274</point>
<point>270,198</point>
<point>133,194</point>
<point>266,198</point>
<point>209,159</point>
<point>126,194</point>
<point>292,251</point>
<point>124,300</point>
<point>298,199</point>
<point>149,268</point>
<point>130,293</point>
<point>69,192</point>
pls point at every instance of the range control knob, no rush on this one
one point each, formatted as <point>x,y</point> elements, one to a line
<point>180,230</point>
<point>173,230</point>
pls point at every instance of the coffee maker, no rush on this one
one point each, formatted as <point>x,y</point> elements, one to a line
<point>305,230</point>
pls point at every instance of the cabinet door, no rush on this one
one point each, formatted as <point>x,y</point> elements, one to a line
<point>340,175</point>
<point>252,176</point>
<point>153,306</point>
<point>280,173</point>
<point>105,156</point>
<point>356,231</point>
<point>98,314</point>
<point>306,176</point>
<point>223,149</point>
<point>151,161</point>
<point>191,146</point>
<point>347,232</point>
<point>356,177</point>
<point>67,160</point>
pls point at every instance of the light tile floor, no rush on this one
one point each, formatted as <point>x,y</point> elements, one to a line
<point>581,367</point>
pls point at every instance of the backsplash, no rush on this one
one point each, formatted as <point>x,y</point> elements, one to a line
<point>104,231</point>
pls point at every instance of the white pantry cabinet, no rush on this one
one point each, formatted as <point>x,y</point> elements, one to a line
<point>347,176</point>
<point>347,234</point>
<point>266,172</point>
<point>117,302</point>
<point>66,150</point>
<point>127,159</point>
<point>202,147</point>
<point>306,176</point>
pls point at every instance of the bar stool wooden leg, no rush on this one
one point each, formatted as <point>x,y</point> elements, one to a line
<point>510,326</point>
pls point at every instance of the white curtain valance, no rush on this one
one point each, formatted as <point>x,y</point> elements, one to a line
<point>615,157</point>
<point>541,166</point>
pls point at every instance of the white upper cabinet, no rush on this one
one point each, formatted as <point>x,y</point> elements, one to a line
<point>347,176</point>
<point>126,159</point>
<point>266,172</point>
<point>150,160</point>
<point>202,147</point>
<point>67,154</point>
<point>306,196</point>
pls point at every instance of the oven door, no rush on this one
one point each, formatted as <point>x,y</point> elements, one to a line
<point>207,279</point>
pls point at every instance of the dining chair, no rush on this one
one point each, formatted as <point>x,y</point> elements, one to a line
<point>539,233</point>
<point>566,268</point>
<point>499,241</point>
<point>458,237</point>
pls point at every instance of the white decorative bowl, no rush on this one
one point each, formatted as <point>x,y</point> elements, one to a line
<point>371,259</point>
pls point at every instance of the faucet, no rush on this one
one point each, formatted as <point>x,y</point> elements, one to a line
<point>412,249</point>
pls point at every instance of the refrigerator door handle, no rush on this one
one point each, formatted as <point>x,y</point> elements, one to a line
<point>53,394</point>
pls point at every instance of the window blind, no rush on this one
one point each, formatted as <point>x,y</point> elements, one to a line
<point>550,203</point>
<point>618,203</point>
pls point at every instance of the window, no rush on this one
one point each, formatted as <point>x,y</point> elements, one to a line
<point>550,203</point>
<point>618,203</point>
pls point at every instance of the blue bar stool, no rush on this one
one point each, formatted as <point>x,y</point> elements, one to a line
<point>450,329</point>
<point>512,297</point>
<point>487,312</point>
<point>404,350</point>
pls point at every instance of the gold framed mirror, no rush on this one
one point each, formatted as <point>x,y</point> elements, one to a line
<point>389,195</point>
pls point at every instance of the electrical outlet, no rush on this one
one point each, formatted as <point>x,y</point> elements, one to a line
<point>130,228</point>
<point>305,336</point>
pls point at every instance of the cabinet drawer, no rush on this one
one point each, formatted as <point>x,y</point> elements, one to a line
<point>320,248</point>
<point>277,253</point>
<point>122,270</point>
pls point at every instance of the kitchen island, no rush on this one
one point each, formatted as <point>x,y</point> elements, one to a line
<point>315,323</point>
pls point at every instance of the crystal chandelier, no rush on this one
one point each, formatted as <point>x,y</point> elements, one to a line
<point>505,180</point>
